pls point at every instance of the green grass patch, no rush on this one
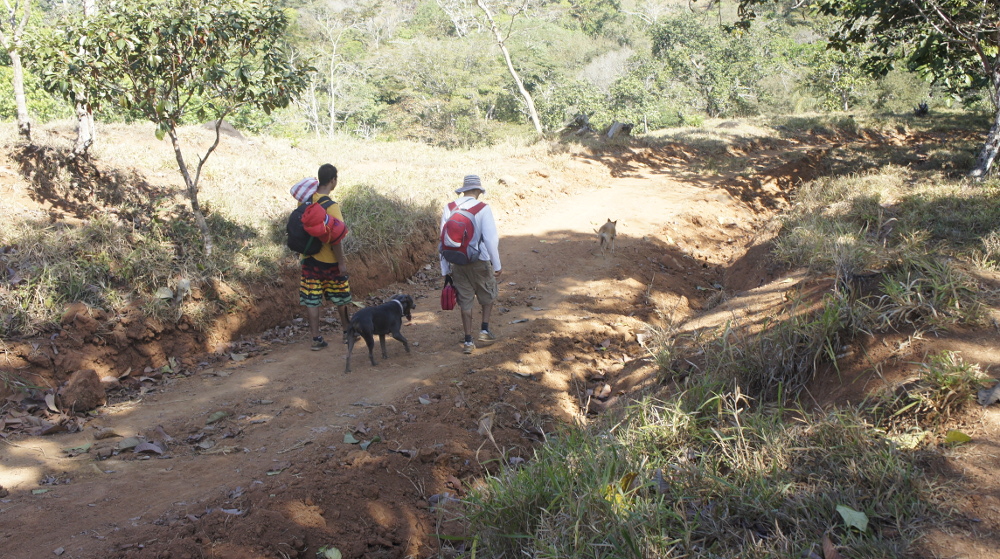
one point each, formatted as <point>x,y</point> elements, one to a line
<point>715,479</point>
<point>947,385</point>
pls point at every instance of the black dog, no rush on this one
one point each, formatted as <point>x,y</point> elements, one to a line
<point>386,318</point>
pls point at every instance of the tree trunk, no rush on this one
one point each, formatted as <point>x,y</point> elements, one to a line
<point>510,67</point>
<point>85,132</point>
<point>192,191</point>
<point>988,153</point>
<point>12,44</point>
<point>23,121</point>
<point>84,128</point>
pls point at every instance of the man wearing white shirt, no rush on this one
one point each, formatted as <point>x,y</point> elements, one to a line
<point>476,279</point>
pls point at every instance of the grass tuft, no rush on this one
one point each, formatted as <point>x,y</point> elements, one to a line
<point>946,386</point>
<point>719,480</point>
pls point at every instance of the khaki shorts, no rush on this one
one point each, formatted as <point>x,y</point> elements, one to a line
<point>474,281</point>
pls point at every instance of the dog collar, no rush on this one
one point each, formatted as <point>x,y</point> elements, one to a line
<point>401,308</point>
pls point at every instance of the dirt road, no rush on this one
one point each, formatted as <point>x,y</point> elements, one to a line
<point>252,456</point>
<point>287,408</point>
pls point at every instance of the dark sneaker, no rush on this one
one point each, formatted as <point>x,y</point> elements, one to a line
<point>468,347</point>
<point>319,343</point>
<point>486,337</point>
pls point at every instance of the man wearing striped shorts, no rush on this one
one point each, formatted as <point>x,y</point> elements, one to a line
<point>324,274</point>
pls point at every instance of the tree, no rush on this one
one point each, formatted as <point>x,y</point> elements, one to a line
<point>528,101</point>
<point>171,61</point>
<point>594,16</point>
<point>956,42</point>
<point>719,68</point>
<point>12,38</point>
<point>86,132</point>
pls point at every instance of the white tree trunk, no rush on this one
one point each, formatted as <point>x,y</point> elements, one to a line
<point>988,153</point>
<point>510,67</point>
<point>85,130</point>
<point>12,43</point>
<point>23,121</point>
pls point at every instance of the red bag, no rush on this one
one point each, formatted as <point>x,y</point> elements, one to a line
<point>448,295</point>
<point>318,223</point>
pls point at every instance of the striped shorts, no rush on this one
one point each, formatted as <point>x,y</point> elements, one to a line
<point>320,280</point>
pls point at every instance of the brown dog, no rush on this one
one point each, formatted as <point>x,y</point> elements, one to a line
<point>606,236</point>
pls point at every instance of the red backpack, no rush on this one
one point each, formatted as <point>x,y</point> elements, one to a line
<point>459,236</point>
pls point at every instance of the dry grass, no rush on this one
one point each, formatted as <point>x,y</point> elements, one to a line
<point>389,191</point>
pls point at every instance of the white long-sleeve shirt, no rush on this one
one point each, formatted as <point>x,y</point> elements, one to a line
<point>489,239</point>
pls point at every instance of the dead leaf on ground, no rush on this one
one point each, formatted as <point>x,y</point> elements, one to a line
<point>830,550</point>
<point>405,452</point>
<point>163,435</point>
<point>77,450</point>
<point>454,483</point>
<point>50,402</point>
<point>486,426</point>
<point>990,396</point>
<point>129,443</point>
<point>366,444</point>
<point>105,433</point>
<point>148,447</point>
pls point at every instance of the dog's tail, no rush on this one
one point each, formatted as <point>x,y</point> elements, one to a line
<point>352,329</point>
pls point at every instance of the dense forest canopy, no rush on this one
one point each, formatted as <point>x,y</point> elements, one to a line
<point>430,70</point>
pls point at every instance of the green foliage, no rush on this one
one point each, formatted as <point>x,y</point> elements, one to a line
<point>168,60</point>
<point>428,20</point>
<point>839,78</point>
<point>562,101</point>
<point>41,105</point>
<point>718,479</point>
<point>712,68</point>
<point>596,17</point>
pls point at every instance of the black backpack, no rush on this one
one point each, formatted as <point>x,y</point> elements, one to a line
<point>298,240</point>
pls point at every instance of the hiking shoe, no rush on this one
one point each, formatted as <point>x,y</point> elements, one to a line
<point>467,347</point>
<point>486,337</point>
<point>319,343</point>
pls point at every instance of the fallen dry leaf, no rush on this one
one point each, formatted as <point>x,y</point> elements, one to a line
<point>454,483</point>
<point>830,550</point>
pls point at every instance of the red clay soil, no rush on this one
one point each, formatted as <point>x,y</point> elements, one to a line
<point>253,446</point>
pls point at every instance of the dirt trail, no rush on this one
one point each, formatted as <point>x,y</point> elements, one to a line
<point>291,398</point>
<point>275,477</point>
